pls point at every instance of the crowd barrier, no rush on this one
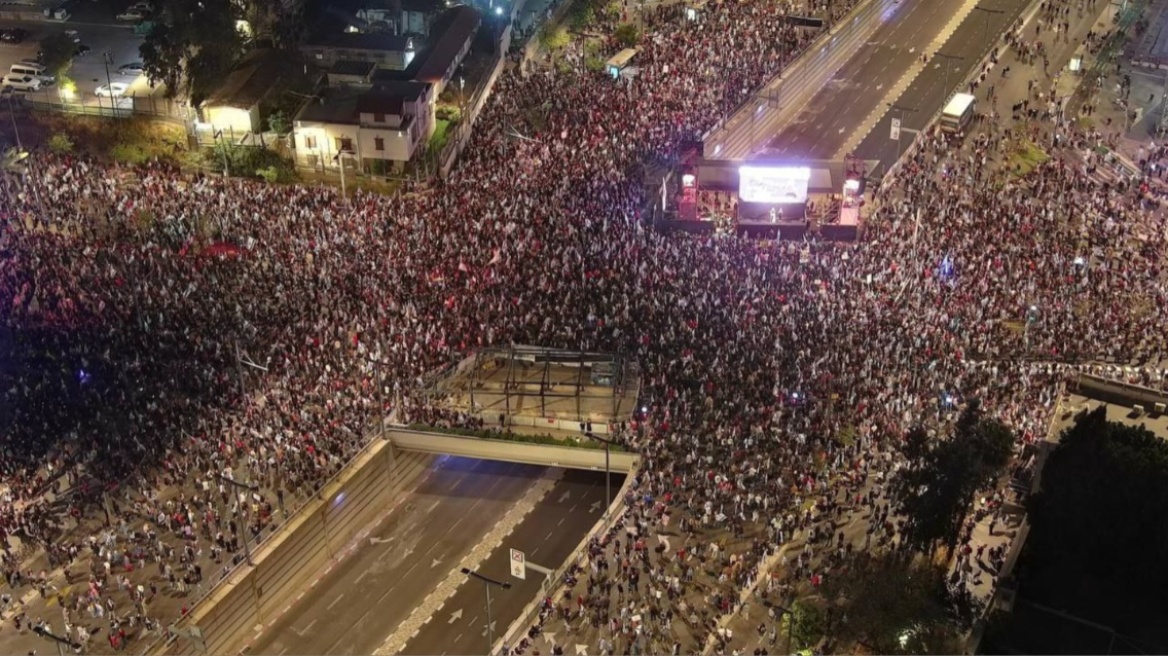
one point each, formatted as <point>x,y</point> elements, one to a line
<point>554,587</point>
<point>1119,392</point>
<point>251,596</point>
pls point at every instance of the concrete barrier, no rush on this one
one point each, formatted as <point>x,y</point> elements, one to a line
<point>1119,393</point>
<point>251,597</point>
<point>509,451</point>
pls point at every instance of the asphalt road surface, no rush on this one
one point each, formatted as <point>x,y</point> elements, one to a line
<point>823,127</point>
<point>971,42</point>
<point>364,598</point>
<point>546,536</point>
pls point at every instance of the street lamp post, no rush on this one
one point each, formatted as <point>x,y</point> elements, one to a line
<point>987,12</point>
<point>340,159</point>
<point>948,60</point>
<point>250,488</point>
<point>15,130</point>
<point>487,583</point>
<point>107,59</point>
<point>607,470</point>
<point>62,643</point>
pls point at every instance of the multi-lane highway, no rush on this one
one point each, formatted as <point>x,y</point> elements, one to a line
<point>357,605</point>
<point>861,87</point>
<point>972,41</point>
<point>546,536</point>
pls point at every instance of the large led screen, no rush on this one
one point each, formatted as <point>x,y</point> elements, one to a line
<point>773,184</point>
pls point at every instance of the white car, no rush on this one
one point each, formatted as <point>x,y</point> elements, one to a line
<point>22,82</point>
<point>131,16</point>
<point>114,90</point>
<point>73,36</point>
<point>143,7</point>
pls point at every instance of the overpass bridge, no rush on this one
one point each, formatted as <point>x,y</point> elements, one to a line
<point>548,455</point>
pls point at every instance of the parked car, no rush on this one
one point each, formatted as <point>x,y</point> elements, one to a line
<point>142,7</point>
<point>81,50</point>
<point>114,90</point>
<point>73,36</point>
<point>131,16</point>
<point>133,68</point>
<point>22,82</point>
<point>14,35</point>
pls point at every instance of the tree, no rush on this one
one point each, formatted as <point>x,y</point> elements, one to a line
<point>937,488</point>
<point>892,604</point>
<point>1100,522</point>
<point>57,53</point>
<point>198,44</point>
<point>627,35</point>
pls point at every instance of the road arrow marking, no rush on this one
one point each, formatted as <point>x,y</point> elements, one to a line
<point>581,650</point>
<point>484,633</point>
<point>595,506</point>
<point>434,563</point>
<point>565,495</point>
<point>407,553</point>
<point>665,541</point>
<point>456,615</point>
<point>550,637</point>
<point>380,540</point>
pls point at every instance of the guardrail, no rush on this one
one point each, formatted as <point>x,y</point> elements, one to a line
<point>483,448</point>
<point>530,613</point>
<point>794,85</point>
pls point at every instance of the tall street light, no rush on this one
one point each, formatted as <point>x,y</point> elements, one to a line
<point>902,110</point>
<point>62,643</point>
<point>949,59</point>
<point>487,583</point>
<point>607,469</point>
<point>987,12</point>
<point>243,485</point>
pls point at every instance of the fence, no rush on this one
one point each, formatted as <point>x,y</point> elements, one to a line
<point>314,533</point>
<point>462,134</point>
<point>153,107</point>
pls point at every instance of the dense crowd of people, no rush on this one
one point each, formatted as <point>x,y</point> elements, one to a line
<point>172,337</point>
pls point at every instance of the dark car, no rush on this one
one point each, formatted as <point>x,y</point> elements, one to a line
<point>81,50</point>
<point>15,35</point>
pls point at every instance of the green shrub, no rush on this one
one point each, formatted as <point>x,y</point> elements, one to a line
<point>627,35</point>
<point>60,143</point>
<point>129,153</point>
<point>269,174</point>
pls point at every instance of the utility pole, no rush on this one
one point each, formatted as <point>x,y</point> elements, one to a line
<point>250,488</point>
<point>239,362</point>
<point>107,59</point>
<point>12,115</point>
<point>607,470</point>
<point>487,583</point>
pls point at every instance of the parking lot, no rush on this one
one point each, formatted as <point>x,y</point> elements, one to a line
<point>88,71</point>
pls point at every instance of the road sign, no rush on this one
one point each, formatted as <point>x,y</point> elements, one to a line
<point>518,564</point>
<point>895,129</point>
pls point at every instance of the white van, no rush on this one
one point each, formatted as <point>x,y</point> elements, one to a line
<point>21,82</point>
<point>32,70</point>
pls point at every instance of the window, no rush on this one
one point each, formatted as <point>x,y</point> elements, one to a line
<point>378,143</point>
<point>378,118</point>
<point>344,143</point>
<point>309,142</point>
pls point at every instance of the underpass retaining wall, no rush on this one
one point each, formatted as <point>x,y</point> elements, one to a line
<point>251,597</point>
<point>510,451</point>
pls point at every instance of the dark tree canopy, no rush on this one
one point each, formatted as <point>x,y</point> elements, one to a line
<point>937,488</point>
<point>197,43</point>
<point>1103,508</point>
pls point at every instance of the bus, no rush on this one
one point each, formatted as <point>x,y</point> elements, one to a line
<point>958,113</point>
<point>619,62</point>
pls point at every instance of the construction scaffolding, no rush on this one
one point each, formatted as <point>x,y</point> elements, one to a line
<point>542,387</point>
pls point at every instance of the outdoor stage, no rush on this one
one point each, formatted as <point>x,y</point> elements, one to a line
<point>771,199</point>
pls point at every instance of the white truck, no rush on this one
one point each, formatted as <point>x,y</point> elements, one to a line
<point>958,113</point>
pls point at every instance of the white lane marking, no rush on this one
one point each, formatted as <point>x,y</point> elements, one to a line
<point>339,597</point>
